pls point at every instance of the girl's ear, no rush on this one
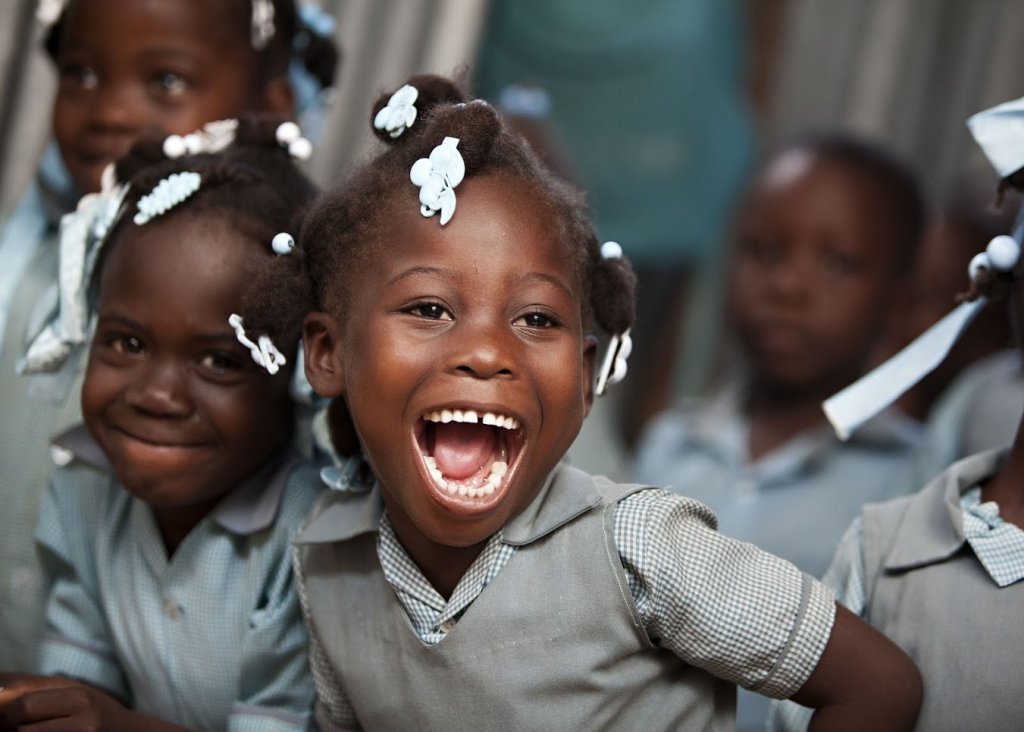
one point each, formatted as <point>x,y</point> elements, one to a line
<point>279,98</point>
<point>589,354</point>
<point>321,344</point>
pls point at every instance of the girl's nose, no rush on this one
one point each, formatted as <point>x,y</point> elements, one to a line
<point>790,279</point>
<point>484,350</point>
<point>162,391</point>
<point>118,107</point>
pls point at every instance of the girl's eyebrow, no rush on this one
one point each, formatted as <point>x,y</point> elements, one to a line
<point>117,319</point>
<point>404,274</point>
<point>530,278</point>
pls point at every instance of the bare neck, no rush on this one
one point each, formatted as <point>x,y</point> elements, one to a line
<point>1007,487</point>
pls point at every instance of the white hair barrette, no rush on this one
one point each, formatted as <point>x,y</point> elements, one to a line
<point>614,366</point>
<point>437,176</point>
<point>210,138</point>
<point>282,243</point>
<point>399,113</point>
<point>167,194</point>
<point>263,351</point>
<point>289,136</point>
<point>262,23</point>
<point>48,12</point>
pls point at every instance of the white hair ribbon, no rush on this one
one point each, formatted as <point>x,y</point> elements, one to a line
<point>168,193</point>
<point>264,352</point>
<point>613,366</point>
<point>399,113</point>
<point>437,176</point>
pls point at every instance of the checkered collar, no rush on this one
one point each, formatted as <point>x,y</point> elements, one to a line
<point>947,513</point>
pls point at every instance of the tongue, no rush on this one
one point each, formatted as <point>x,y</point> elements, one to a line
<point>461,449</point>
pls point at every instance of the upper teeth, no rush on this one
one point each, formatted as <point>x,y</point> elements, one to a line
<point>469,415</point>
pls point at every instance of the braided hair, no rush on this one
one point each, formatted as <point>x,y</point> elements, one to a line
<point>259,190</point>
<point>347,226</point>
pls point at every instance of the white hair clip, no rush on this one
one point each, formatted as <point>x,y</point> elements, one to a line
<point>437,176</point>
<point>613,367</point>
<point>1001,255</point>
<point>48,12</point>
<point>264,352</point>
<point>262,23</point>
<point>210,138</point>
<point>167,194</point>
<point>289,136</point>
<point>282,243</point>
<point>399,113</point>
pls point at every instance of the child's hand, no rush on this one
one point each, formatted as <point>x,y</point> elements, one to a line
<point>65,704</point>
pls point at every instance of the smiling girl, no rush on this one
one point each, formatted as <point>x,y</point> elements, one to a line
<point>165,536</point>
<point>482,582</point>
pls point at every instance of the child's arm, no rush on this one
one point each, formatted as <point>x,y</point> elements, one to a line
<point>30,700</point>
<point>863,681</point>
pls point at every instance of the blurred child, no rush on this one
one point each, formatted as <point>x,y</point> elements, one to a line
<point>166,536</point>
<point>940,572</point>
<point>824,247</point>
<point>492,585</point>
<point>973,400</point>
<point>125,67</point>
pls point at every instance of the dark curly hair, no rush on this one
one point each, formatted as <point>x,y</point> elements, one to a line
<point>346,227</point>
<point>253,184</point>
<point>292,38</point>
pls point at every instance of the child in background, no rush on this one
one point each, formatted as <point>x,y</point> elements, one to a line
<point>941,572</point>
<point>824,247</point>
<point>491,585</point>
<point>973,400</point>
<point>125,67</point>
<point>165,537</point>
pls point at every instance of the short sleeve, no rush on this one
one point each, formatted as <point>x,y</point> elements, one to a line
<point>726,606</point>
<point>845,577</point>
<point>76,641</point>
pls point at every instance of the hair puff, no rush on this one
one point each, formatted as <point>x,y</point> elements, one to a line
<point>432,91</point>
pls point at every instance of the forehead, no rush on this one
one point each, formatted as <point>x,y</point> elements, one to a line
<point>181,260</point>
<point>140,25</point>
<point>801,188</point>
<point>497,221</point>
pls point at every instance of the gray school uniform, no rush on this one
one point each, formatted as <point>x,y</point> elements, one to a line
<point>943,576</point>
<point>557,638</point>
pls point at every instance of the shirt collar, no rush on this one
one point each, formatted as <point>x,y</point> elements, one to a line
<point>249,508</point>
<point>932,529</point>
<point>721,427</point>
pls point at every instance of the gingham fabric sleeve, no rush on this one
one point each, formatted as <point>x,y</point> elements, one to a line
<point>76,642</point>
<point>723,605</point>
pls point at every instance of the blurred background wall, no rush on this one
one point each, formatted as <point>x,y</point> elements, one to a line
<point>906,72</point>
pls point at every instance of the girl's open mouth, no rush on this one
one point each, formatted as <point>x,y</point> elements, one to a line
<point>468,453</point>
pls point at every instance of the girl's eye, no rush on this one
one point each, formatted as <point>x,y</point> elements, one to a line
<point>839,263</point>
<point>79,75</point>
<point>126,344</point>
<point>430,310</point>
<point>536,320</point>
<point>220,362</point>
<point>170,84</point>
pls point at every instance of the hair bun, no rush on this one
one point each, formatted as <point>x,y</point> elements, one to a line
<point>432,90</point>
<point>476,125</point>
